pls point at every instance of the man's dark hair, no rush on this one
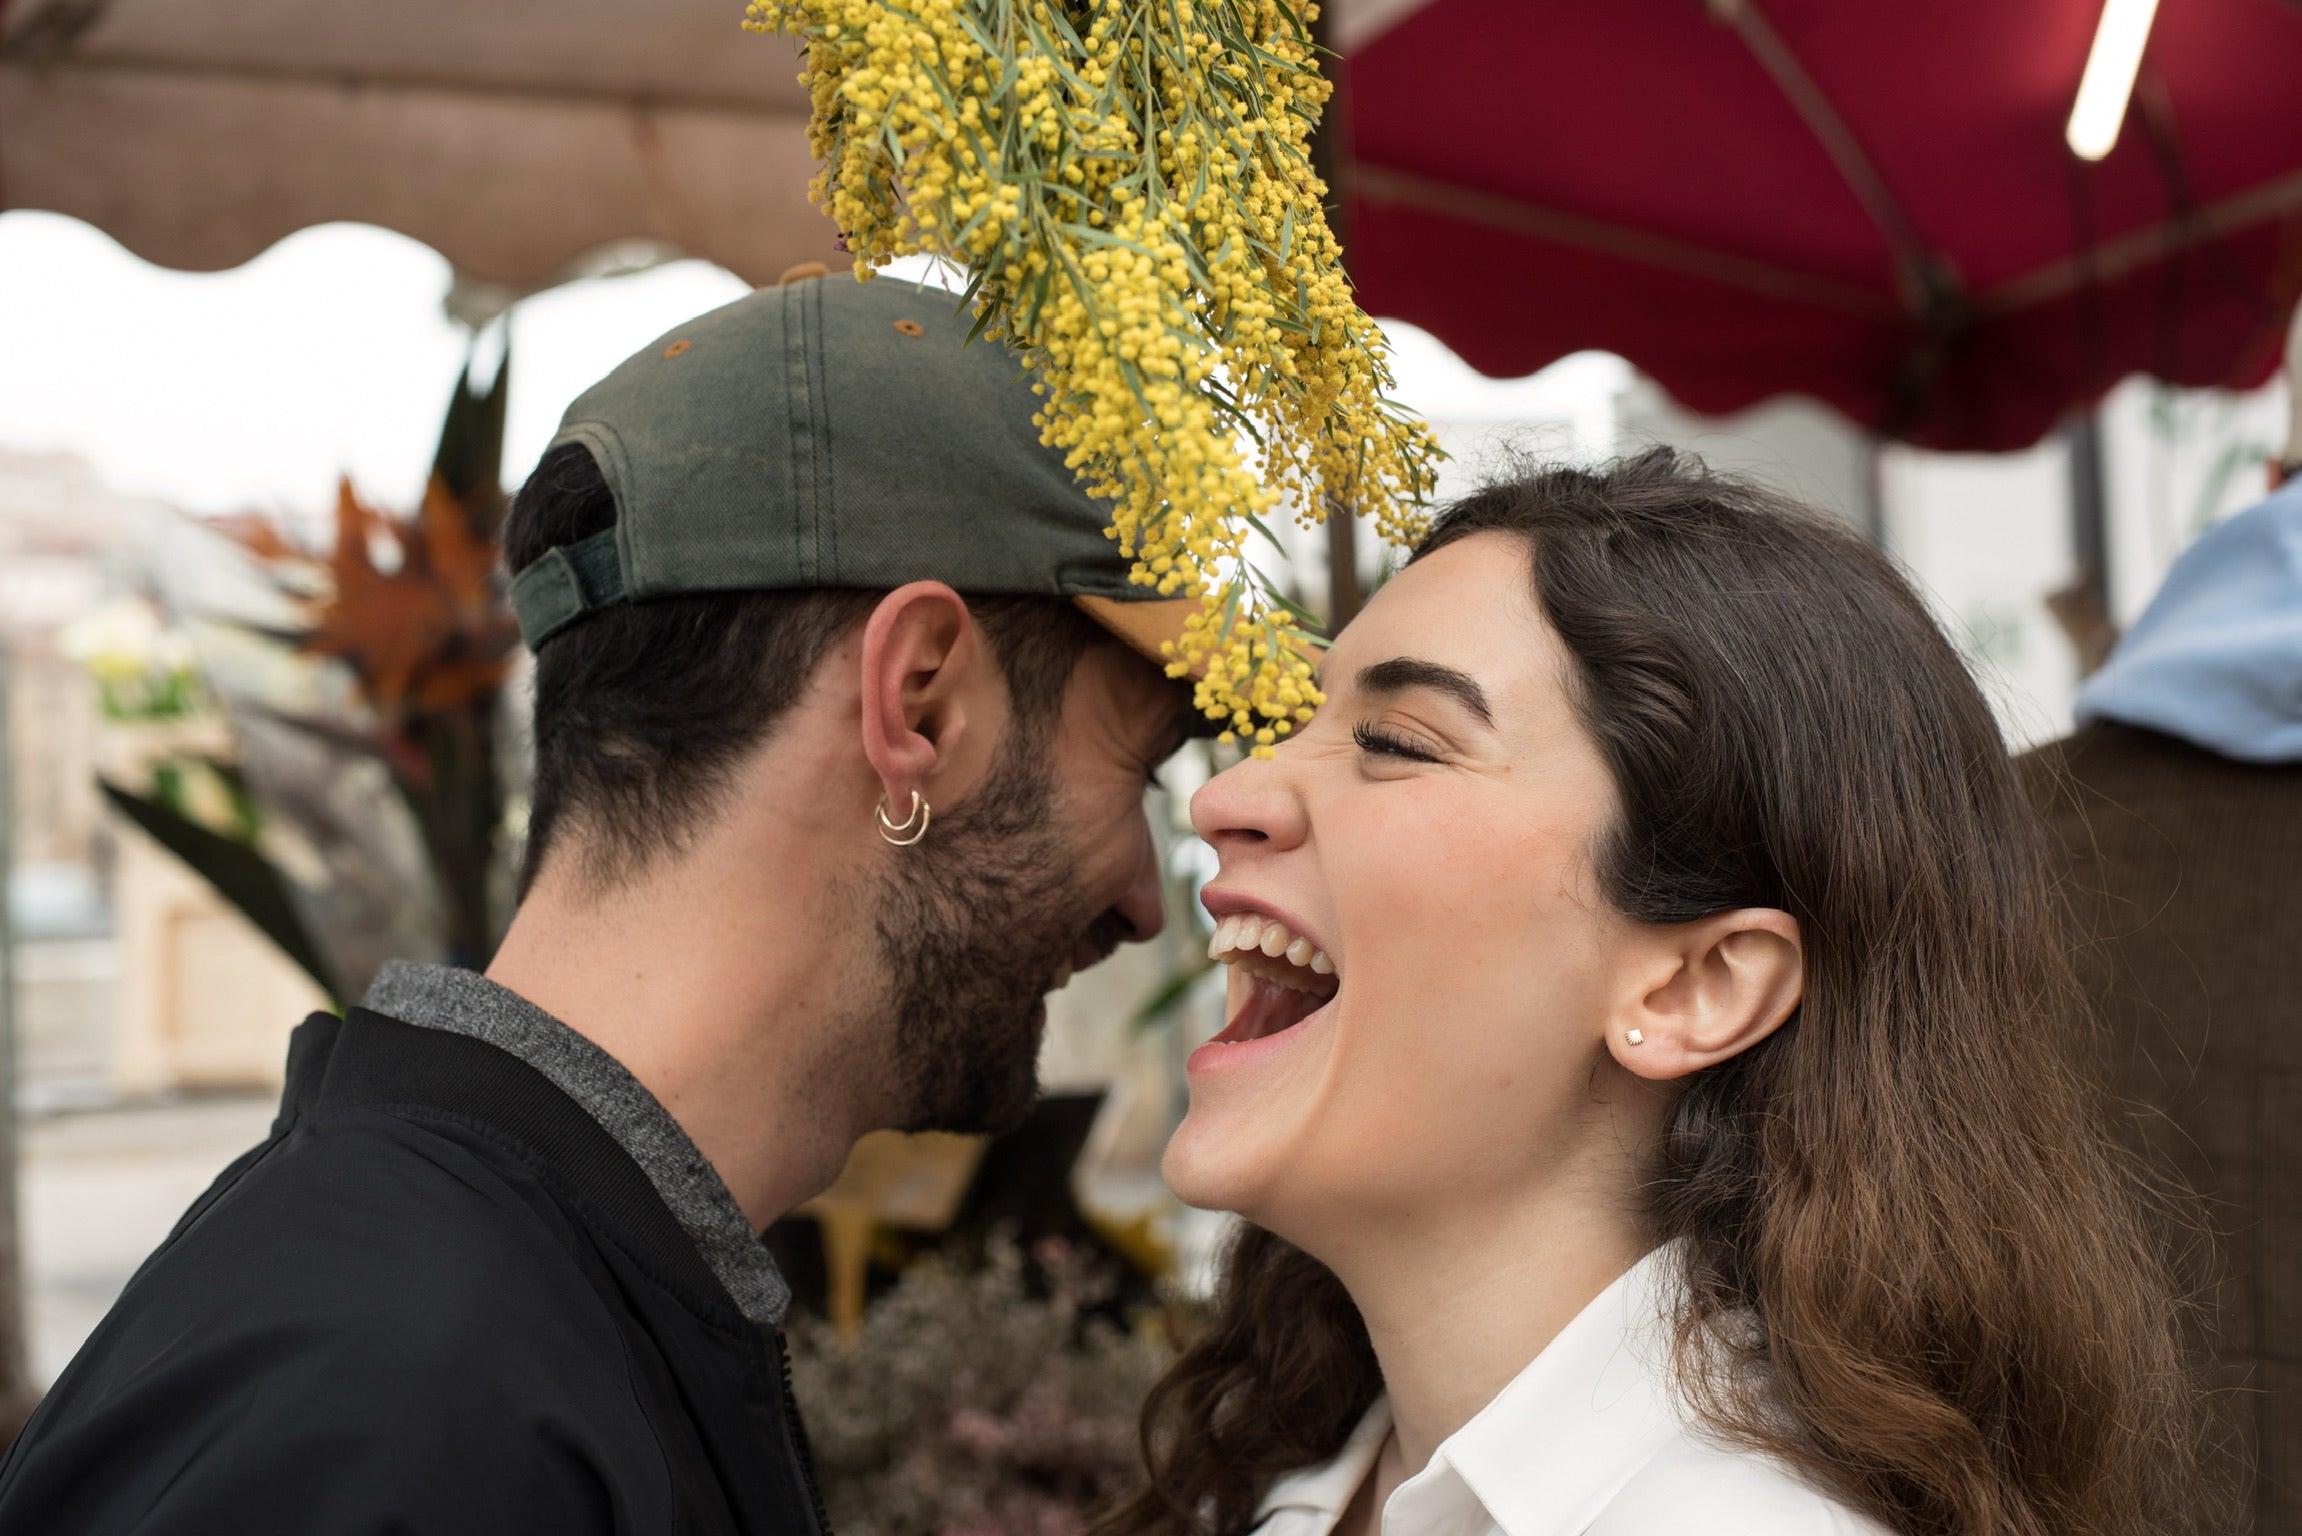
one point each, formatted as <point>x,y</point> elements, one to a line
<point>643,710</point>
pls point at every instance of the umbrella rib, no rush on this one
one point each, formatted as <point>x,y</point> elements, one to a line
<point>2115,258</point>
<point>54,29</point>
<point>1382,184</point>
<point>1924,278</point>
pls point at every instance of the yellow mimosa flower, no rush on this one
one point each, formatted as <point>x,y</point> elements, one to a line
<point>1128,184</point>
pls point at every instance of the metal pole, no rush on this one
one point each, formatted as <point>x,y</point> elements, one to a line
<point>2083,608</point>
<point>1873,490</point>
<point>2089,509</point>
<point>1331,159</point>
<point>1344,597</point>
<point>16,1396</point>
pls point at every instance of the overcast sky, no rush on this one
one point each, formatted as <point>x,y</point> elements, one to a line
<point>331,353</point>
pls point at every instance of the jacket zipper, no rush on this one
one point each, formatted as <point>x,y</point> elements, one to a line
<point>797,1429</point>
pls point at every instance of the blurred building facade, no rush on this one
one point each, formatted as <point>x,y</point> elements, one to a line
<point>133,979</point>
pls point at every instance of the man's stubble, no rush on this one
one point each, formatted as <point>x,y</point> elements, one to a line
<point>973,924</point>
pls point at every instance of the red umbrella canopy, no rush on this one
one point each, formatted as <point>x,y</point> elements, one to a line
<point>1866,202</point>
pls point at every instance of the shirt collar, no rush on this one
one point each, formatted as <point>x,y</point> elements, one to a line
<point>1327,1490</point>
<point>466,1003</point>
<point>1549,1452</point>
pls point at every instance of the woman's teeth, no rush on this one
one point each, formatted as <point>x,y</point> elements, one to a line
<point>1243,934</point>
<point>1279,978</point>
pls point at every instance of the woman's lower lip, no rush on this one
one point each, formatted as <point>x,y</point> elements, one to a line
<point>1221,1055</point>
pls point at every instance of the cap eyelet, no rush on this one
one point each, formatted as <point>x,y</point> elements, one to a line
<point>911,327</point>
<point>677,347</point>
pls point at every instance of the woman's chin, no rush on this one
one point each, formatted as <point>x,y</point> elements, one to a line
<point>1207,1168</point>
<point>1256,1104</point>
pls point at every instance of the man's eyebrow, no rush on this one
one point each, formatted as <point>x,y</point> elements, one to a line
<point>1402,672</point>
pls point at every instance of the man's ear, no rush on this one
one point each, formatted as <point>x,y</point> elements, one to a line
<point>923,658</point>
<point>1707,990</point>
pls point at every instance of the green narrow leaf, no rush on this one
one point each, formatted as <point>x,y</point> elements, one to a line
<point>1255,521</point>
<point>1302,615</point>
<point>984,319</point>
<point>1170,993</point>
<point>240,874</point>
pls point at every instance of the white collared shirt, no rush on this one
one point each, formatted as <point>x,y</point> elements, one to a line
<point>1589,1440</point>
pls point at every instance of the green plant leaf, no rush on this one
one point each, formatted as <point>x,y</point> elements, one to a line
<point>471,451</point>
<point>240,874</point>
<point>1169,994</point>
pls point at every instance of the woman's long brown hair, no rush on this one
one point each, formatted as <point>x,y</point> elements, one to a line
<point>1963,1321</point>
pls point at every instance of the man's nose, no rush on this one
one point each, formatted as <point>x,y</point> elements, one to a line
<point>1143,905</point>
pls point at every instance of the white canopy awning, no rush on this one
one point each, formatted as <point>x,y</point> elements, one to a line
<point>514,136</point>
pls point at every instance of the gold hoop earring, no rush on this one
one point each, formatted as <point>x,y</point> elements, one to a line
<point>912,828</point>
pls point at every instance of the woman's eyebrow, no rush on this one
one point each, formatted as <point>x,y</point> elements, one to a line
<point>1402,672</point>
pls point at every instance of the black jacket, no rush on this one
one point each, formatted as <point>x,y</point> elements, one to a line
<point>439,1299</point>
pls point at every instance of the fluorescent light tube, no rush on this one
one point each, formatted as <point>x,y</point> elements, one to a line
<point>2109,77</point>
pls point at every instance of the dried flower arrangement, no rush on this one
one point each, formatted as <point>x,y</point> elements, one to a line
<point>979,1400</point>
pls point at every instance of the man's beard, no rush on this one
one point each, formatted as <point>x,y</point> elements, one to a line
<point>973,924</point>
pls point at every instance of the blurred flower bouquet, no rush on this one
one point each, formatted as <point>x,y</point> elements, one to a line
<point>167,733</point>
<point>364,698</point>
<point>143,670</point>
<point>984,1401</point>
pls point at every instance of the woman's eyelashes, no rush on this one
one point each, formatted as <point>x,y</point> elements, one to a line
<point>1389,741</point>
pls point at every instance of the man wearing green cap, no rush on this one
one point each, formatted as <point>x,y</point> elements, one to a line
<point>844,710</point>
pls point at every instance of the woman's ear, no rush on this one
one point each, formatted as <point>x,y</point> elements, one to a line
<point>1712,988</point>
<point>919,647</point>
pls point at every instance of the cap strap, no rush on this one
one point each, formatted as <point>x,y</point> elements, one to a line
<point>568,582</point>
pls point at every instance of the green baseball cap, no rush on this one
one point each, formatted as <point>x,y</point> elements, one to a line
<point>832,433</point>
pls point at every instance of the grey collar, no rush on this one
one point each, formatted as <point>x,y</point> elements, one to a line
<point>466,1003</point>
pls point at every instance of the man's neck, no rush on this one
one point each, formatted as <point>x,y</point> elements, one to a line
<point>721,990</point>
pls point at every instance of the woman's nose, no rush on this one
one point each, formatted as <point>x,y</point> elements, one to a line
<point>1252,804</point>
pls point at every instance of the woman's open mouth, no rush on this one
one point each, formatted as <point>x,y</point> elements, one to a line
<point>1280,978</point>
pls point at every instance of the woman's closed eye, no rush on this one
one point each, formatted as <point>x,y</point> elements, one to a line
<point>1391,741</point>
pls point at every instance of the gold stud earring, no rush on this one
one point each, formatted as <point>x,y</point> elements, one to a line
<point>1634,1036</point>
<point>911,829</point>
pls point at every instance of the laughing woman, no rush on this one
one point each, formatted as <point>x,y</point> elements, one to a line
<point>1647,1075</point>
